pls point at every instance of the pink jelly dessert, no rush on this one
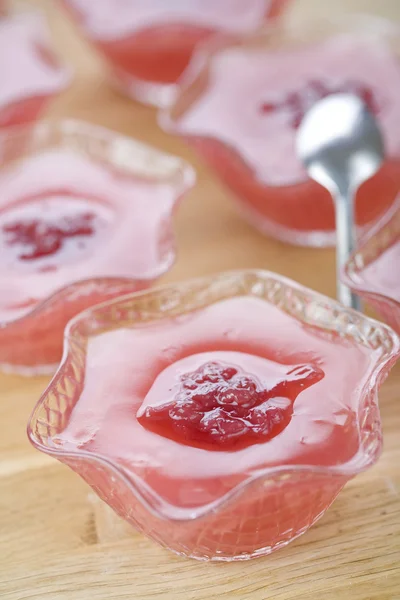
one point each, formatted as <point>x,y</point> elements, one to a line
<point>373,271</point>
<point>85,215</point>
<point>149,43</point>
<point>37,77</point>
<point>222,416</point>
<point>240,106</point>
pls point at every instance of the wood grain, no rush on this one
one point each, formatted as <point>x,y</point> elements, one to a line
<point>49,544</point>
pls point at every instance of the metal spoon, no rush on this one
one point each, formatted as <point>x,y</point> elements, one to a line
<point>341,146</point>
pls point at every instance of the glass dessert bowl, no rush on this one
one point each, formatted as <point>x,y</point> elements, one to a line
<point>221,416</point>
<point>240,104</point>
<point>149,43</point>
<point>27,88</point>
<point>85,215</point>
<point>372,270</point>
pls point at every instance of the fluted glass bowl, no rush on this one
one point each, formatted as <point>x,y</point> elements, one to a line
<point>372,270</point>
<point>240,103</point>
<point>271,506</point>
<point>148,43</point>
<point>85,215</point>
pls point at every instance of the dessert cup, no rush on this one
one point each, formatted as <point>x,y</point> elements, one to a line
<point>85,215</point>
<point>240,104</point>
<point>224,502</point>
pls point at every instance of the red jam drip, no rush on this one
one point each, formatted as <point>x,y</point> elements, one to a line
<point>220,407</point>
<point>39,239</point>
<point>299,102</point>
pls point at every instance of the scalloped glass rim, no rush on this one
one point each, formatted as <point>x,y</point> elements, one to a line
<point>373,245</point>
<point>28,13</point>
<point>126,154</point>
<point>274,35</point>
<point>302,303</point>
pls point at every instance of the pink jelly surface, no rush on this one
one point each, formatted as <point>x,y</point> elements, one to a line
<point>25,89</point>
<point>65,218</point>
<point>153,40</point>
<point>244,116</point>
<point>195,405</point>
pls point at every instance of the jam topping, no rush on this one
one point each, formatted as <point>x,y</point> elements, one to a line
<point>38,238</point>
<point>46,232</point>
<point>297,103</point>
<point>222,407</point>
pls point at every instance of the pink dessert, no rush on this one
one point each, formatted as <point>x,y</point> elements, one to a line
<point>373,271</point>
<point>211,416</point>
<point>149,43</point>
<point>240,106</point>
<point>84,216</point>
<point>37,75</point>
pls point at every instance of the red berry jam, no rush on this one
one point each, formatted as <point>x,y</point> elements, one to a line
<point>297,103</point>
<point>221,405</point>
<point>47,232</point>
<point>37,238</point>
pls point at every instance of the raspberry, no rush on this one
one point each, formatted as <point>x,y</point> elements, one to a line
<point>38,239</point>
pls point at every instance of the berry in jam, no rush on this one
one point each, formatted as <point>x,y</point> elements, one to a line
<point>222,406</point>
<point>51,230</point>
<point>37,238</point>
<point>297,103</point>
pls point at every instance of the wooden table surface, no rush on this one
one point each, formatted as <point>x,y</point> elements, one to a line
<point>49,546</point>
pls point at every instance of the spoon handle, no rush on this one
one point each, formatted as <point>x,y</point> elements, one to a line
<point>345,242</point>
